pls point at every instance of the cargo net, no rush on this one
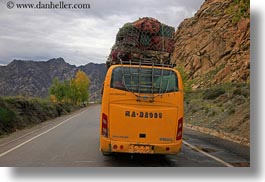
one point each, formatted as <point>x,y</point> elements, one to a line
<point>145,40</point>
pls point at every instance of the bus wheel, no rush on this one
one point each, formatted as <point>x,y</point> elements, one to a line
<point>106,153</point>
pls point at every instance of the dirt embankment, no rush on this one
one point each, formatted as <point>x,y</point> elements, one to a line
<point>222,110</point>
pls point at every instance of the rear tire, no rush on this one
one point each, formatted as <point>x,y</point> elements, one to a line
<point>106,153</point>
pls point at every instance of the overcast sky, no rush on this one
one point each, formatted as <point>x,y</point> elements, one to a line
<point>79,36</point>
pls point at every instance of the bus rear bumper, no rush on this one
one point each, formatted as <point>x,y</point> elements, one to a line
<point>107,145</point>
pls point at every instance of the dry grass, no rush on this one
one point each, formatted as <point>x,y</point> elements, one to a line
<point>224,108</point>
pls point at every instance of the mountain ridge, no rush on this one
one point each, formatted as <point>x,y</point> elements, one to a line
<point>33,78</point>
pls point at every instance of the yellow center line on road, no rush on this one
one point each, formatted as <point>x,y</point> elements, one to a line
<point>207,154</point>
<point>37,136</point>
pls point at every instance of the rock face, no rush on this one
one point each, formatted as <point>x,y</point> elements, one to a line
<point>212,47</point>
<point>34,78</point>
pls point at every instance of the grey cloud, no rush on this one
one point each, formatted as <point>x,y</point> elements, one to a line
<point>79,36</point>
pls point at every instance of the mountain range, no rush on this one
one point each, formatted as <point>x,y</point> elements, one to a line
<point>34,78</point>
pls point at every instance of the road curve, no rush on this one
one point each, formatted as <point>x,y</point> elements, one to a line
<point>73,141</point>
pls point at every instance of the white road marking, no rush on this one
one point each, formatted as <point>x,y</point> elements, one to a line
<point>207,154</point>
<point>37,136</point>
<point>23,136</point>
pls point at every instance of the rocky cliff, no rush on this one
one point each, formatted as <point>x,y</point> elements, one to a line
<point>214,46</point>
<point>34,78</point>
<point>212,52</point>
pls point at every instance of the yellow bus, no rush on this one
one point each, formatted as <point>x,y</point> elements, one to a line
<point>142,110</point>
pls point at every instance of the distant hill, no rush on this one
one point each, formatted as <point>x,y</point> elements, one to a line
<point>34,78</point>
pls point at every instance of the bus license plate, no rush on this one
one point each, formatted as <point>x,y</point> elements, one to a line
<point>143,149</point>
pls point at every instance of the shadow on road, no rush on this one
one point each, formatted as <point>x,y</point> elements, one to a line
<point>137,160</point>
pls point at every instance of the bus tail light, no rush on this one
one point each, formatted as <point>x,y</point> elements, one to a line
<point>180,127</point>
<point>104,128</point>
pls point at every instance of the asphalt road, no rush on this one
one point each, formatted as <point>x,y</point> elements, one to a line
<point>73,141</point>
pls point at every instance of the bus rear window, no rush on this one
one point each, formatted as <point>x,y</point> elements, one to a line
<point>144,80</point>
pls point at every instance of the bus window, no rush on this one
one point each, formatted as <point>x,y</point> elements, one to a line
<point>116,80</point>
<point>144,80</point>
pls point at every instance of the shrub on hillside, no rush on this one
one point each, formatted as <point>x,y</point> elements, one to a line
<point>19,112</point>
<point>213,93</point>
<point>7,120</point>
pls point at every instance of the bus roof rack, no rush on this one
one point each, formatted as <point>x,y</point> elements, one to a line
<point>147,63</point>
<point>142,62</point>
